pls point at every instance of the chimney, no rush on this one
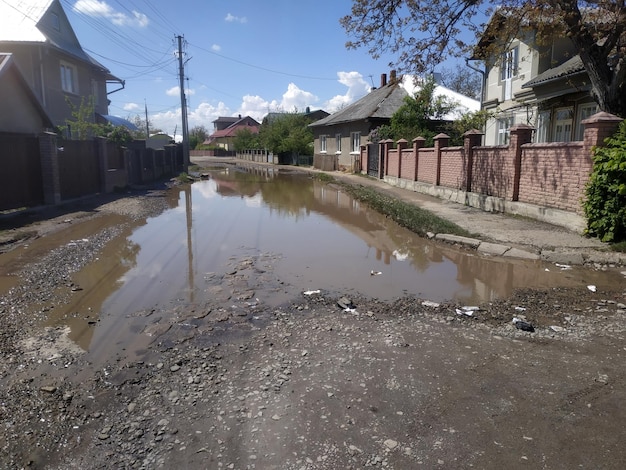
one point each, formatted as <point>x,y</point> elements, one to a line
<point>383,79</point>
<point>392,76</point>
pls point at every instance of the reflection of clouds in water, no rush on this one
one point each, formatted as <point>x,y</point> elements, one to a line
<point>150,271</point>
<point>254,201</point>
<point>400,256</point>
<point>207,189</point>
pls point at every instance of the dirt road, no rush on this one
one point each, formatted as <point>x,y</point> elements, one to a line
<point>308,385</point>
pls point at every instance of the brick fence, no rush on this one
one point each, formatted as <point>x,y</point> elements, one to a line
<point>548,175</point>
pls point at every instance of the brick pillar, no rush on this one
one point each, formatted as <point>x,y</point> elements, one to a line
<point>471,139</point>
<point>520,134</point>
<point>441,141</point>
<point>597,128</point>
<point>402,144</point>
<point>418,143</point>
<point>48,155</point>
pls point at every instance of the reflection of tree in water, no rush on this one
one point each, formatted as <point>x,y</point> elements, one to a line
<point>290,194</point>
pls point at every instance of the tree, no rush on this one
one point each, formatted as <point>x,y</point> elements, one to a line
<point>462,80</point>
<point>288,133</point>
<point>82,124</point>
<point>419,115</point>
<point>245,139</point>
<point>197,135</point>
<point>140,122</point>
<point>424,33</point>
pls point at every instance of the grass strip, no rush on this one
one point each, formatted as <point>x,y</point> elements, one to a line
<point>416,219</point>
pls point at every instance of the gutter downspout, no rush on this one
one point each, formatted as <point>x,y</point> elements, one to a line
<point>482,83</point>
<point>122,82</point>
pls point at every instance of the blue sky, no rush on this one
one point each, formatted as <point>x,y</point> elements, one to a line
<point>244,57</point>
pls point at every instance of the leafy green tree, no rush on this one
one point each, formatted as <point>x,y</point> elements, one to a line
<point>245,139</point>
<point>419,116</point>
<point>140,123</point>
<point>197,135</point>
<point>422,34</point>
<point>82,124</point>
<point>467,122</point>
<point>287,134</point>
<point>605,204</point>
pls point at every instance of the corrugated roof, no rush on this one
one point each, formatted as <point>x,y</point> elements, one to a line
<point>19,18</point>
<point>379,103</point>
<point>570,67</point>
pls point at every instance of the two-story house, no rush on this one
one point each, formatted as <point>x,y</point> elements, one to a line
<point>226,128</point>
<point>544,86</point>
<point>43,44</point>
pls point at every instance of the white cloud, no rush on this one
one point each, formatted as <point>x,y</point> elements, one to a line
<point>235,19</point>
<point>357,88</point>
<point>175,91</point>
<point>296,99</point>
<point>97,8</point>
<point>256,107</point>
<point>216,47</point>
<point>131,107</point>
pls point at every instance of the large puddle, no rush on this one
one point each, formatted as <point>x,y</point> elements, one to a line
<point>259,236</point>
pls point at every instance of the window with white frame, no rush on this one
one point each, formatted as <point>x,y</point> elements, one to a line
<point>585,111</point>
<point>563,123</point>
<point>338,143</point>
<point>508,70</point>
<point>68,78</point>
<point>355,138</point>
<point>543,126</point>
<point>322,143</point>
<point>504,129</point>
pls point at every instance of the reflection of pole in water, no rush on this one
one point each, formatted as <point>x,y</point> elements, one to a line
<point>189,245</point>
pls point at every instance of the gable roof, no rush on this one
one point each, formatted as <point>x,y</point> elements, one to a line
<point>7,66</point>
<point>25,21</point>
<point>379,103</point>
<point>245,122</point>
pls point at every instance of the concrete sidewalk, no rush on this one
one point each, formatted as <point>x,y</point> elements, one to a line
<point>503,235</point>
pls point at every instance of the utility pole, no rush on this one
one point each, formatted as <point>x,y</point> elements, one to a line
<point>183,104</point>
<point>147,122</point>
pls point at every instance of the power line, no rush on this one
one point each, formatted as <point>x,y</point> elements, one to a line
<point>278,72</point>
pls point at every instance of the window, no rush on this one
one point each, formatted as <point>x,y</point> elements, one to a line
<point>563,122</point>
<point>54,20</point>
<point>543,126</point>
<point>508,70</point>
<point>68,78</point>
<point>585,111</point>
<point>504,130</point>
<point>355,137</point>
<point>322,143</point>
<point>338,143</point>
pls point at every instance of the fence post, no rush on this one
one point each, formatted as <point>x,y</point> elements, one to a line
<point>471,139</point>
<point>441,141</point>
<point>597,128</point>
<point>520,134</point>
<point>103,161</point>
<point>418,143</point>
<point>49,157</point>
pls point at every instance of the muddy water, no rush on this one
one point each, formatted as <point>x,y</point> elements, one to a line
<point>293,234</point>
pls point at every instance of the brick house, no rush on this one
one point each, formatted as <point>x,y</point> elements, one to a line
<point>226,128</point>
<point>45,48</point>
<point>543,86</point>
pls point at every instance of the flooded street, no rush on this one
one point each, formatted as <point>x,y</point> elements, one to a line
<point>302,234</point>
<point>171,329</point>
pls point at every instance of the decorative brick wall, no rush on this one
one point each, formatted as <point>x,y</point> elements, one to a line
<point>549,175</point>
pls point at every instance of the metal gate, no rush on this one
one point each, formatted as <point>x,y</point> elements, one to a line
<point>373,159</point>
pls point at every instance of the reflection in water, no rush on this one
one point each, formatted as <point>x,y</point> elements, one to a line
<point>315,236</point>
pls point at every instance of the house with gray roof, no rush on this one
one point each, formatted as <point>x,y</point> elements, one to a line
<point>42,43</point>
<point>341,135</point>
<point>542,85</point>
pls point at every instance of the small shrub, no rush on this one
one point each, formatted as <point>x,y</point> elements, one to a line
<point>605,203</point>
